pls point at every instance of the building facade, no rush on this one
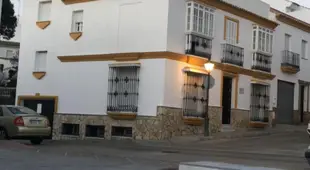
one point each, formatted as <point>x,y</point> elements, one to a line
<point>142,76</point>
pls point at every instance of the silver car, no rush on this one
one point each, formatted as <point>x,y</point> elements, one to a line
<point>18,122</point>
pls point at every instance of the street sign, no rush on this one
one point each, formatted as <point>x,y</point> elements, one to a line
<point>212,82</point>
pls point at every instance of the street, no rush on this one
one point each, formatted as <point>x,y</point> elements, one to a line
<point>278,151</point>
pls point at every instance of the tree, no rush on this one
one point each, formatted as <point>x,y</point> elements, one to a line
<point>8,20</point>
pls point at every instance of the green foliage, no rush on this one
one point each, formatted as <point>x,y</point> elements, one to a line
<point>8,20</point>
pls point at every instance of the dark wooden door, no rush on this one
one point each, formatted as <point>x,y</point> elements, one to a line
<point>226,100</point>
<point>301,102</point>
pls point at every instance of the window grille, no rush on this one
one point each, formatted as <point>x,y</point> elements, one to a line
<point>260,102</point>
<point>195,95</point>
<point>123,89</point>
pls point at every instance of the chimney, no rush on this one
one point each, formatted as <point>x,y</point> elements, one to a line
<point>293,7</point>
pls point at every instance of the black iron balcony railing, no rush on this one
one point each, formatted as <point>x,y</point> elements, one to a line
<point>232,54</point>
<point>198,45</point>
<point>290,59</point>
<point>261,62</point>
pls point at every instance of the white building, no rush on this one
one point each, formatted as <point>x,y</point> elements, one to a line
<point>139,72</point>
<point>293,33</point>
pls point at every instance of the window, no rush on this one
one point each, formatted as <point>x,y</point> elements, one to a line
<point>19,110</point>
<point>70,129</point>
<point>44,10</point>
<point>194,95</point>
<point>304,50</point>
<point>40,61</point>
<point>260,102</point>
<point>121,131</point>
<point>231,30</point>
<point>123,88</point>
<point>199,19</point>
<point>262,39</point>
<point>77,21</point>
<point>287,42</point>
<point>95,131</point>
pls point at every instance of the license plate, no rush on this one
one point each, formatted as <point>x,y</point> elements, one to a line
<point>36,122</point>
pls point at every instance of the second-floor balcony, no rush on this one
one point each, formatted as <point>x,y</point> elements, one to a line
<point>232,54</point>
<point>261,62</point>
<point>198,45</point>
<point>290,62</point>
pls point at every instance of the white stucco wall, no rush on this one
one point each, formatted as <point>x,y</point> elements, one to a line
<point>176,29</point>
<point>103,27</point>
<point>82,87</point>
<point>176,43</point>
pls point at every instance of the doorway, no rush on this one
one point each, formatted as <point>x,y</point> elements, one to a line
<point>285,103</point>
<point>226,99</point>
<point>43,106</point>
<point>301,102</point>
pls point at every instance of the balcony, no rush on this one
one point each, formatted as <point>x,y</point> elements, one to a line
<point>232,55</point>
<point>261,62</point>
<point>198,45</point>
<point>290,62</point>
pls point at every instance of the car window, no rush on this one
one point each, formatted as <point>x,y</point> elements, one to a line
<point>17,110</point>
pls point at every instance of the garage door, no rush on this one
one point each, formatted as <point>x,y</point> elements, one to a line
<point>285,102</point>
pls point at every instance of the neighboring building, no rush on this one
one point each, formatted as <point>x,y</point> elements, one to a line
<point>142,76</point>
<point>293,79</point>
<point>9,53</point>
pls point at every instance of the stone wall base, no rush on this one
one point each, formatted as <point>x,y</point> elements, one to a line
<point>297,119</point>
<point>166,124</point>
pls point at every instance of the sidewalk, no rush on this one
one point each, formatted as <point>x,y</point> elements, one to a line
<point>228,142</point>
<point>224,136</point>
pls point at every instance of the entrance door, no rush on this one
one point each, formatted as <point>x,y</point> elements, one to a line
<point>46,108</point>
<point>285,102</point>
<point>226,100</point>
<point>301,102</point>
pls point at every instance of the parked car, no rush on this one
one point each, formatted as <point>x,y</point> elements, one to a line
<point>18,122</point>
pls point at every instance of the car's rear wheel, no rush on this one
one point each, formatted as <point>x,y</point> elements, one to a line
<point>36,141</point>
<point>3,133</point>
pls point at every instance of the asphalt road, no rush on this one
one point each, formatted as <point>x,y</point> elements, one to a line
<point>278,151</point>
